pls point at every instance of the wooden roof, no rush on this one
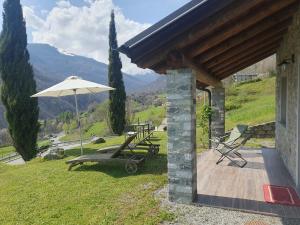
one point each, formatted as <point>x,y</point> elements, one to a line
<point>215,38</point>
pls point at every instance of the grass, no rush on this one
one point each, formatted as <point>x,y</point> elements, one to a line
<point>44,192</point>
<point>10,149</point>
<point>6,150</point>
<point>152,113</point>
<point>252,103</point>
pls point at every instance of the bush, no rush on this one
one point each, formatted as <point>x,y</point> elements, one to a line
<point>229,105</point>
<point>249,81</point>
<point>203,119</point>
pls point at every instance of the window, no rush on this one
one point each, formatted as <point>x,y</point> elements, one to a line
<point>283,101</point>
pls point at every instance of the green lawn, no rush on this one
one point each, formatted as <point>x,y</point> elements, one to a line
<point>44,192</point>
<point>152,113</point>
<point>255,102</point>
<point>10,149</point>
<point>6,150</point>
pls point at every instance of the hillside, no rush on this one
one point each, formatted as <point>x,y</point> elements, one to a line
<point>52,66</point>
<point>247,103</point>
<point>250,103</point>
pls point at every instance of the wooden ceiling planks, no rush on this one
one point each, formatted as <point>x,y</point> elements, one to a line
<point>249,53</point>
<point>251,44</point>
<point>263,17</point>
<point>245,63</point>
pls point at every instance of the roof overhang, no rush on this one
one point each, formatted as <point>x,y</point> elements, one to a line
<point>215,38</point>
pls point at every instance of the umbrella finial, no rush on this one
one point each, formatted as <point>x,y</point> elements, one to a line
<point>73,78</point>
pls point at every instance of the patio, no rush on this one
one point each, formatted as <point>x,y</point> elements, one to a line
<point>228,186</point>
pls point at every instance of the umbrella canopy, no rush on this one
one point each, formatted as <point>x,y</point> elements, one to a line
<point>71,85</point>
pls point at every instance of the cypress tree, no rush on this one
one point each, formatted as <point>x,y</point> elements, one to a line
<point>18,83</point>
<point>117,98</point>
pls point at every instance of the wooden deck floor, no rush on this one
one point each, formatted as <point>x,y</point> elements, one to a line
<point>228,186</point>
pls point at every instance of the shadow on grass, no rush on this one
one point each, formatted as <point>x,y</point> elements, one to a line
<point>155,165</point>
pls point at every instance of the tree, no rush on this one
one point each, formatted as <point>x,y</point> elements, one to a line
<point>117,98</point>
<point>18,83</point>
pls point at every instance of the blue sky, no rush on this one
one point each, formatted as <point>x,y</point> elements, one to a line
<point>144,11</point>
<point>81,26</point>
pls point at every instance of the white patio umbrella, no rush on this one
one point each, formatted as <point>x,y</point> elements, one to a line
<point>73,85</point>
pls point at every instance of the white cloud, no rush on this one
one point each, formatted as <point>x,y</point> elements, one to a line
<point>34,21</point>
<point>83,30</point>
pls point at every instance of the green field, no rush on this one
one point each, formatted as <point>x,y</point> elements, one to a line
<point>6,150</point>
<point>254,102</point>
<point>10,149</point>
<point>44,192</point>
<point>249,103</point>
<point>100,129</point>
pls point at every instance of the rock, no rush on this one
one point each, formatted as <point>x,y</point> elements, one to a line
<point>98,140</point>
<point>55,154</point>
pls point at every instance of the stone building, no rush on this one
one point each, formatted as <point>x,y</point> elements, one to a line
<point>245,75</point>
<point>202,43</point>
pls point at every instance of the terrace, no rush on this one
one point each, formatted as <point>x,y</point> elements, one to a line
<point>228,186</point>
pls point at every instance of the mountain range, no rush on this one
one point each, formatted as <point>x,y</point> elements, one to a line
<point>51,66</point>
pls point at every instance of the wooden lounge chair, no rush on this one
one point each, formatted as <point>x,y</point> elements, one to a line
<point>229,148</point>
<point>113,154</point>
<point>152,149</point>
<point>143,139</point>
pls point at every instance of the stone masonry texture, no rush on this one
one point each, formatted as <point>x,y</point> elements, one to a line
<point>287,134</point>
<point>218,112</point>
<point>181,119</point>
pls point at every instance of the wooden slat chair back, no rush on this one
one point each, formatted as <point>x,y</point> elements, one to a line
<point>128,140</point>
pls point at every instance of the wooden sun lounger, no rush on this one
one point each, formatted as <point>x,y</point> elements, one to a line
<point>112,154</point>
<point>144,144</point>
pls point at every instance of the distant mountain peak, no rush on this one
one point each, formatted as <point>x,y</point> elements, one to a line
<point>64,52</point>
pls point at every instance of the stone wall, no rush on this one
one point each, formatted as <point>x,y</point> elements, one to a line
<point>218,112</point>
<point>181,120</point>
<point>264,130</point>
<point>287,135</point>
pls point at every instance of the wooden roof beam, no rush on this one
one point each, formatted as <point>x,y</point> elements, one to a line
<point>234,11</point>
<point>257,31</point>
<point>177,60</point>
<point>239,26</point>
<point>250,52</point>
<point>245,63</point>
<point>253,43</point>
<point>201,73</point>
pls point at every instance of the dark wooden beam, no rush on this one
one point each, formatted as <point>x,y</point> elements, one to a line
<point>201,74</point>
<point>254,43</point>
<point>256,32</point>
<point>263,16</point>
<point>200,85</point>
<point>160,68</point>
<point>233,12</point>
<point>244,64</point>
<point>177,60</point>
<point>246,54</point>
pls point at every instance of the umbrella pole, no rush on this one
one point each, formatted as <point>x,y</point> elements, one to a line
<point>78,118</point>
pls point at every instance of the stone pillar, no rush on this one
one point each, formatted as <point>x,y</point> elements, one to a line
<point>218,112</point>
<point>181,117</point>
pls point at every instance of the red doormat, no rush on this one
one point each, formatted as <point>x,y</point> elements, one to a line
<point>281,195</point>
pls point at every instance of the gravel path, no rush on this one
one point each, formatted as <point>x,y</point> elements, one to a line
<point>200,215</point>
